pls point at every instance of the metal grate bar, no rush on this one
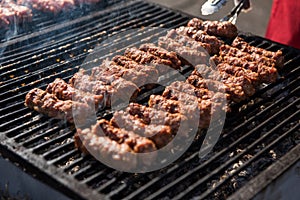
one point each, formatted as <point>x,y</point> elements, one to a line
<point>68,154</point>
<point>47,74</point>
<point>15,120</point>
<point>90,170</point>
<point>79,34</point>
<point>37,141</point>
<point>109,182</point>
<point>84,34</point>
<point>56,149</point>
<point>15,113</point>
<point>261,182</point>
<point>76,162</point>
<point>53,24</point>
<point>28,125</point>
<point>117,191</point>
<point>93,177</point>
<point>81,172</point>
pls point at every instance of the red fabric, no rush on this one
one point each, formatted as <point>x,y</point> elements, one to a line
<point>284,24</point>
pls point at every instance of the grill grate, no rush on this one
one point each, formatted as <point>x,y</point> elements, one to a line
<point>44,20</point>
<point>260,131</point>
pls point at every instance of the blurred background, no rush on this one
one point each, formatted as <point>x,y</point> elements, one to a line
<point>254,21</point>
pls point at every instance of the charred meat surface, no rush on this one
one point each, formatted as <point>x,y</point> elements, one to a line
<point>235,70</point>
<point>162,53</point>
<point>152,73</point>
<point>108,150</point>
<point>187,55</point>
<point>182,105</point>
<point>226,50</point>
<point>238,88</point>
<point>161,135</point>
<point>265,74</point>
<point>153,116</point>
<point>238,42</point>
<point>52,6</point>
<point>137,143</point>
<point>140,75</point>
<point>111,86</point>
<point>222,29</point>
<point>50,105</point>
<point>201,36</point>
<point>13,14</point>
<point>208,103</point>
<point>82,81</point>
<point>187,106</point>
<point>142,57</point>
<point>114,145</point>
<point>189,42</point>
<point>64,91</point>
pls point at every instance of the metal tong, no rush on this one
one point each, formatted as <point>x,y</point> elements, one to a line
<point>233,14</point>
